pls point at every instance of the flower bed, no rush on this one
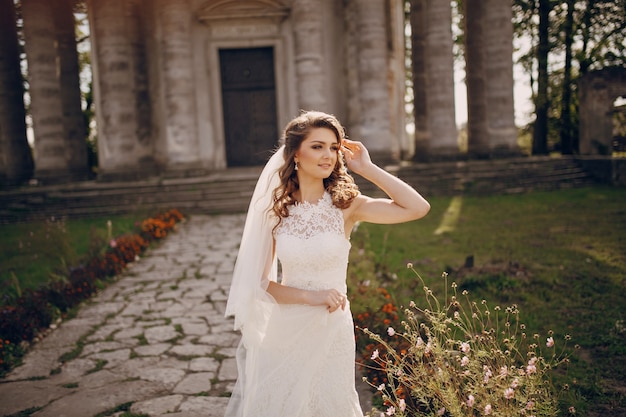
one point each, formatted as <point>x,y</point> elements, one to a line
<point>35,310</point>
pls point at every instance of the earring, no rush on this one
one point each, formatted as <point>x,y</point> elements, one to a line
<point>296,165</point>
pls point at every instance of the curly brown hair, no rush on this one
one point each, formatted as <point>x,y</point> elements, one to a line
<point>339,184</point>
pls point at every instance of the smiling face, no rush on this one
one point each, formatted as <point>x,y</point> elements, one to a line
<point>318,153</point>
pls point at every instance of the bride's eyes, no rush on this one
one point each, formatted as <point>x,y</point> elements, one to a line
<point>334,148</point>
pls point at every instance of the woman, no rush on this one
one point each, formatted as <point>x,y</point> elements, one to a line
<point>297,354</point>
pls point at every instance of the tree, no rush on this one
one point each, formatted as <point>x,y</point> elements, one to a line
<point>569,38</point>
<point>567,145</point>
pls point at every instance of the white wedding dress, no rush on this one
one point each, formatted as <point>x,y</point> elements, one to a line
<point>305,364</point>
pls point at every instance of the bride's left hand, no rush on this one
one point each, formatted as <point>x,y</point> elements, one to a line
<point>356,155</point>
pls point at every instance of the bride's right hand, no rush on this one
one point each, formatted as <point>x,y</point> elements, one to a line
<point>332,299</point>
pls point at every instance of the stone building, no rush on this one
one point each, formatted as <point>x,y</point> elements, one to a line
<point>598,91</point>
<point>184,87</point>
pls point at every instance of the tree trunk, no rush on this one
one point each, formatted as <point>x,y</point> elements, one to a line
<point>540,131</point>
<point>567,145</point>
<point>585,61</point>
<point>16,163</point>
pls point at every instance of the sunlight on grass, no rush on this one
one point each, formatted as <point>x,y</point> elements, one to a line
<point>451,217</point>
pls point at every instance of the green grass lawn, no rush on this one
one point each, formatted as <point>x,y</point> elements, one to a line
<point>560,256</point>
<point>33,253</point>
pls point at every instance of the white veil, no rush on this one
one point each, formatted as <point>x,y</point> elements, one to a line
<point>255,267</point>
<point>256,264</point>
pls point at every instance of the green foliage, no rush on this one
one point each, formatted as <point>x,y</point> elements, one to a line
<point>595,32</point>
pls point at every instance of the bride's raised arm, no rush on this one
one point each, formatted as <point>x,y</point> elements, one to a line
<point>404,203</point>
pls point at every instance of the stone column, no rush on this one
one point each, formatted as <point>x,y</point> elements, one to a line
<point>489,67</point>
<point>499,72</point>
<point>375,129</point>
<point>69,79</point>
<point>137,37</point>
<point>122,153</point>
<point>433,78</point>
<point>16,163</point>
<point>309,54</point>
<point>475,79</point>
<point>46,106</point>
<point>175,20</point>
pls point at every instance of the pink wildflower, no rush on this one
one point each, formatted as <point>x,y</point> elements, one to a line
<point>441,411</point>
<point>487,410</point>
<point>402,404</point>
<point>465,347</point>
<point>391,331</point>
<point>391,411</point>
<point>470,400</point>
<point>487,375</point>
<point>550,342</point>
<point>509,393</point>
<point>375,354</point>
<point>381,387</point>
<point>465,361</point>
<point>113,243</point>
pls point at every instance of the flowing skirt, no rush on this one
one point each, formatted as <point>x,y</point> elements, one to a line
<point>303,366</point>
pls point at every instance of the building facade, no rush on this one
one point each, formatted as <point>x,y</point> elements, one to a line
<point>185,87</point>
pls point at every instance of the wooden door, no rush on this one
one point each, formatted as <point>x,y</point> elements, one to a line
<point>249,104</point>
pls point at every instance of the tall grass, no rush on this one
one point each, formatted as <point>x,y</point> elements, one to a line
<point>560,256</point>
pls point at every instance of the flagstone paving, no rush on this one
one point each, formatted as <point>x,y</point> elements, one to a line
<point>156,338</point>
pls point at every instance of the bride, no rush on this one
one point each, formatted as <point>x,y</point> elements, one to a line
<point>297,353</point>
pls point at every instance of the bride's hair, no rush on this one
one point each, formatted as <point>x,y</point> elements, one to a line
<point>339,184</point>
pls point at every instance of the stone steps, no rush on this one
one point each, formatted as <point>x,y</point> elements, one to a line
<point>230,190</point>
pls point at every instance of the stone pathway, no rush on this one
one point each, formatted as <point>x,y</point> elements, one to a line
<point>156,338</point>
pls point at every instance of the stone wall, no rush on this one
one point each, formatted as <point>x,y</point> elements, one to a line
<point>605,169</point>
<point>597,93</point>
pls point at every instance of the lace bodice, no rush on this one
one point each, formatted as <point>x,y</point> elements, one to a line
<point>312,247</point>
